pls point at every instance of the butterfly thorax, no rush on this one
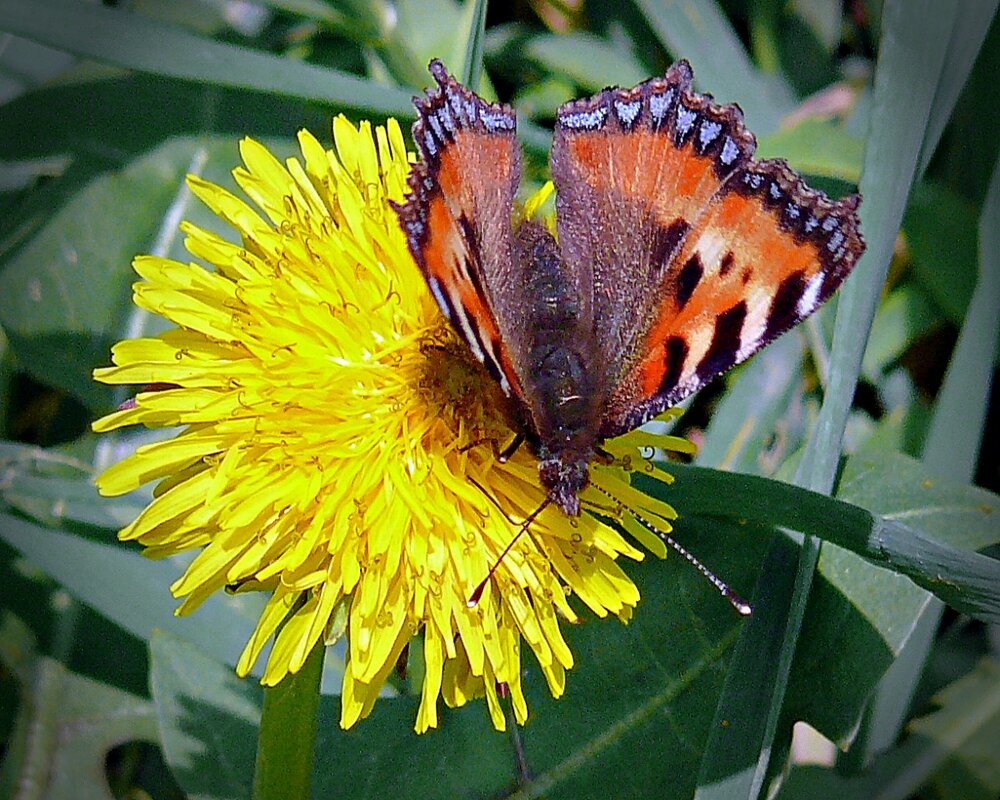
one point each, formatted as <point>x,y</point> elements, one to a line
<point>565,393</point>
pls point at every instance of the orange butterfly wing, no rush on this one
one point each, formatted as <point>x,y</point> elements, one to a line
<point>697,256</point>
<point>457,217</point>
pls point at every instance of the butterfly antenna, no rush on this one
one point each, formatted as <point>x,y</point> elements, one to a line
<point>477,593</point>
<point>737,602</point>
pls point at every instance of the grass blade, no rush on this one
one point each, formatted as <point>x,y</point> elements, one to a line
<point>967,37</point>
<point>951,450</point>
<point>129,589</point>
<point>938,552</point>
<point>132,41</point>
<point>472,66</point>
<point>955,435</point>
<point>735,741</point>
<point>910,62</point>
<point>911,59</point>
<point>698,31</point>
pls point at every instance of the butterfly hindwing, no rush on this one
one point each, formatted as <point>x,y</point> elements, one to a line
<point>698,255</point>
<point>457,217</point>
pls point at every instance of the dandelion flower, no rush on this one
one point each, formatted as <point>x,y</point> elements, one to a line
<point>325,410</point>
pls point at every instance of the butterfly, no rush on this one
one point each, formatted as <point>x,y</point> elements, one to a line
<point>678,255</point>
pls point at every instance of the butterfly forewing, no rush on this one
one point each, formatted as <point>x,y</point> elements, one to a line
<point>633,175</point>
<point>698,255</point>
<point>457,217</point>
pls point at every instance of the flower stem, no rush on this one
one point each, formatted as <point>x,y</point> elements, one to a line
<point>288,733</point>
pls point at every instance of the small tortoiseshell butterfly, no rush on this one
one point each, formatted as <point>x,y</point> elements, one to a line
<point>678,255</point>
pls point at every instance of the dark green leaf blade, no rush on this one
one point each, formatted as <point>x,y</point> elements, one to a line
<point>207,719</point>
<point>66,725</point>
<point>589,61</point>
<point>927,547</point>
<point>911,59</point>
<point>760,420</point>
<point>65,297</point>
<point>130,40</point>
<point>951,450</point>
<point>130,589</point>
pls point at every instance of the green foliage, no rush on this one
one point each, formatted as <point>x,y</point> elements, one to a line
<point>848,580</point>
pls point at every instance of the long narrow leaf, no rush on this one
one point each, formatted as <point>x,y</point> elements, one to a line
<point>129,589</point>
<point>905,543</point>
<point>955,435</point>
<point>698,31</point>
<point>967,37</point>
<point>472,65</point>
<point>952,450</point>
<point>911,58</point>
<point>130,40</point>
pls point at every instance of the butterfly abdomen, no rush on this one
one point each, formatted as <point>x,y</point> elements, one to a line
<point>563,396</point>
<point>554,303</point>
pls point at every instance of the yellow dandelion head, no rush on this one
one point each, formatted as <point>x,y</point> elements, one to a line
<point>326,415</point>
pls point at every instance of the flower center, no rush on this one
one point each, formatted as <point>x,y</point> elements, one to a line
<point>463,394</point>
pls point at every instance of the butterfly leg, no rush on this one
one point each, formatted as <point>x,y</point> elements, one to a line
<point>503,456</point>
<point>602,456</point>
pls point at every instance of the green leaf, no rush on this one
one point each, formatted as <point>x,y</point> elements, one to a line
<point>760,419</point>
<point>87,119</point>
<point>648,686</point>
<point>861,618</point>
<point>209,725</point>
<point>81,123</point>
<point>541,98</point>
<point>968,33</point>
<point>904,316</point>
<point>911,58</point>
<point>133,41</point>
<point>698,31</point>
<point>968,154</point>
<point>312,9</point>
<point>816,147</point>
<point>903,490</point>
<point>66,725</point>
<point>667,664</point>
<point>735,738</point>
<point>862,615</point>
<point>952,448</point>
<point>941,233</point>
<point>54,489</point>
<point>589,61</point>
<point>960,413</point>
<point>966,728</point>
<point>64,295</point>
<point>858,620</point>
<point>928,529</point>
<point>823,18</point>
<point>763,21</point>
<point>472,65</point>
<point>207,717</point>
<point>132,590</point>
<point>951,752</point>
